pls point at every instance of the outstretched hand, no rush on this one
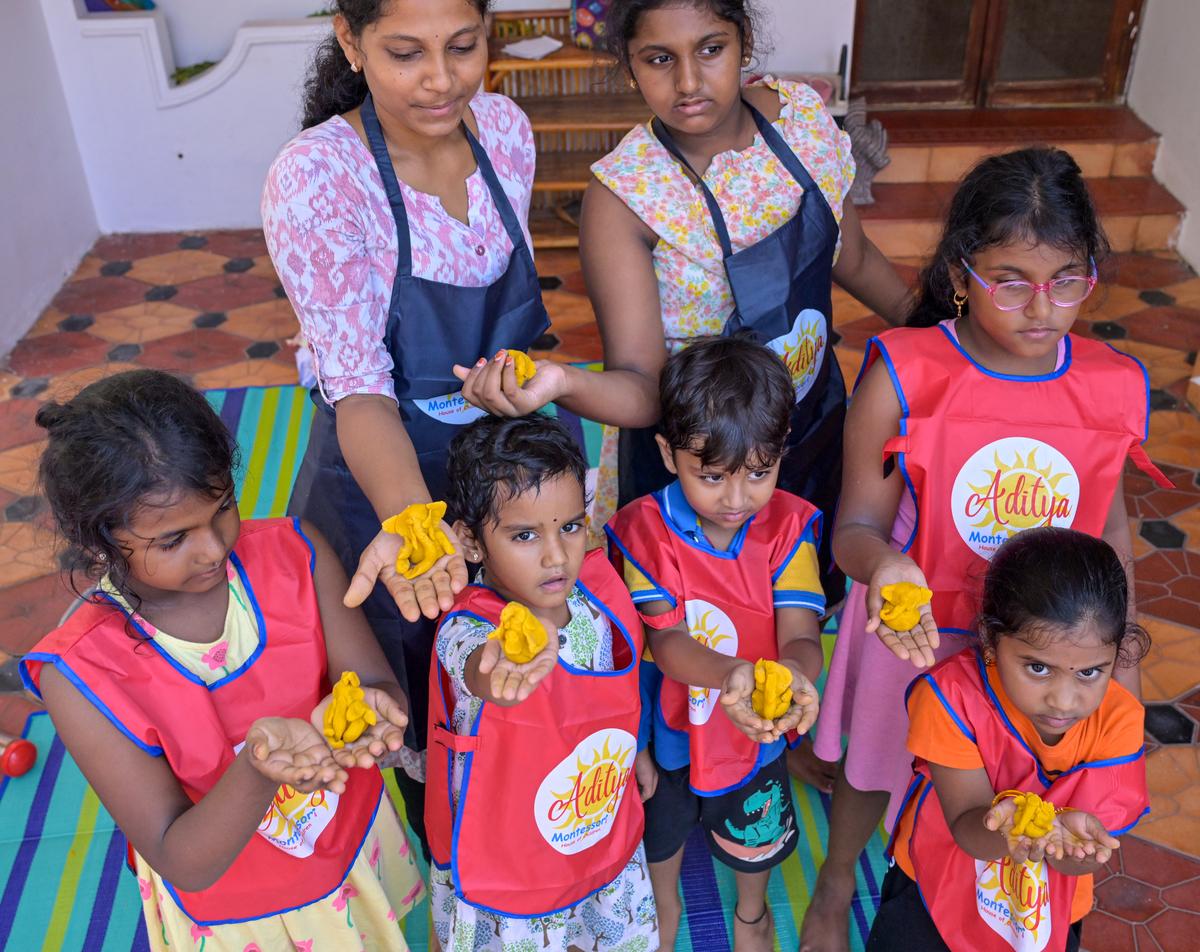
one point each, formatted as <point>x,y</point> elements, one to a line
<point>386,735</point>
<point>1080,836</point>
<point>918,644</point>
<point>429,594</point>
<point>492,385</point>
<point>801,716</point>
<point>514,682</point>
<point>1001,818</point>
<point>737,693</point>
<point>290,751</point>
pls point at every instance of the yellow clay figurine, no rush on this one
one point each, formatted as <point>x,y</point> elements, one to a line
<point>520,634</point>
<point>772,689</point>
<point>347,715</point>
<point>424,541</point>
<point>523,366</point>
<point>902,605</point>
<point>1033,816</point>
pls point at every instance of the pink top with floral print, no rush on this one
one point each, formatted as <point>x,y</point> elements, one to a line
<point>332,237</point>
<point>756,193</point>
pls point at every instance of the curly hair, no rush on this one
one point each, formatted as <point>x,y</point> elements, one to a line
<point>331,87</point>
<point>125,438</point>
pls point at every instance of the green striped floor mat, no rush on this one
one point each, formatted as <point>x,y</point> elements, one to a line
<point>65,887</point>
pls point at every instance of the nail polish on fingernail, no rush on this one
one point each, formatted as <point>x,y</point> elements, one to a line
<point>481,361</point>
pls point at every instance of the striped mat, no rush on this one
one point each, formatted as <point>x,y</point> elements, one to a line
<point>62,858</point>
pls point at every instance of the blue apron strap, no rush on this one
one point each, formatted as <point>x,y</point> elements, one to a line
<point>503,204</point>
<point>775,142</point>
<point>391,185</point>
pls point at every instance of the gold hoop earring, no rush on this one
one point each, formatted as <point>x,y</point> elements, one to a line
<point>959,301</point>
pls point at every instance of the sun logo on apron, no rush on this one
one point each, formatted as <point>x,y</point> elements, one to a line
<point>802,349</point>
<point>714,629</point>
<point>1009,486</point>
<point>577,801</point>
<point>1014,900</point>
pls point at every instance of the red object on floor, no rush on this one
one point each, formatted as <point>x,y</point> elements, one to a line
<point>18,756</point>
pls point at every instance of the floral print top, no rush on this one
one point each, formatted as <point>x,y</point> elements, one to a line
<point>756,194</point>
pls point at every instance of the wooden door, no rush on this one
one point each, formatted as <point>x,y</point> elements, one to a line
<point>992,52</point>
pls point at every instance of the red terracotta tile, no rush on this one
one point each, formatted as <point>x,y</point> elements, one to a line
<point>582,344</point>
<point>132,247</point>
<point>573,282</point>
<point>57,353</point>
<point>1175,930</point>
<point>1188,588</point>
<point>16,423</point>
<point>1172,609</point>
<point>1144,271</point>
<point>1129,899</point>
<point>1185,896</point>
<point>242,243</point>
<point>857,333</point>
<point>92,295</point>
<point>223,292</point>
<point>1103,933</point>
<point>193,351</point>
<point>1158,567</point>
<point>1155,865</point>
<point>1177,327</point>
<point>1166,502</point>
<point>1148,591</point>
<point>30,610</point>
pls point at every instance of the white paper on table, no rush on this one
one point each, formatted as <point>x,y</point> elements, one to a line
<point>533,49</point>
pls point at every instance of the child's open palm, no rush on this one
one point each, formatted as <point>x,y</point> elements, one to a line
<point>805,704</point>
<point>514,682</point>
<point>1080,836</point>
<point>1001,819</point>
<point>737,693</point>
<point>291,751</point>
<point>918,644</point>
<point>428,594</point>
<point>382,737</point>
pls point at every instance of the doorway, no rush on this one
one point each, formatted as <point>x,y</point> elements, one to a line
<point>971,53</point>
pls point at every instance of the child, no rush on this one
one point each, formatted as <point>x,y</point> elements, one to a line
<point>1035,710</point>
<point>534,823</point>
<point>998,421</point>
<point>191,688</point>
<point>723,568</point>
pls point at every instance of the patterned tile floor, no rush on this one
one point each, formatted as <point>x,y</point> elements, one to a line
<point>209,306</point>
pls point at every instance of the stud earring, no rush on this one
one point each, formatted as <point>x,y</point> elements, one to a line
<point>959,301</point>
<point>632,83</point>
<point>989,657</point>
<point>745,60</point>
<point>354,67</point>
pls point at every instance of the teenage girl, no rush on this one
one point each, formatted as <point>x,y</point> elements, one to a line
<point>397,221</point>
<point>1034,709</point>
<point>534,814</point>
<point>983,418</point>
<point>191,687</point>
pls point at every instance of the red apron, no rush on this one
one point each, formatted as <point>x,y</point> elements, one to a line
<point>996,906</point>
<point>306,843</point>
<point>987,455</point>
<point>548,811</point>
<point>729,606</point>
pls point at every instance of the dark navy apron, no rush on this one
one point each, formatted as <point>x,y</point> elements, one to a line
<point>431,326</point>
<point>782,290</point>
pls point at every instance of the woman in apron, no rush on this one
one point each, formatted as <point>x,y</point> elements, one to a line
<point>397,224</point>
<point>723,214</point>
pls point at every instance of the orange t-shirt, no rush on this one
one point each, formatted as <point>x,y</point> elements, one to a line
<point>1114,729</point>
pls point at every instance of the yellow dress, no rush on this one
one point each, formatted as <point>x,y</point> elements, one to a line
<point>363,913</point>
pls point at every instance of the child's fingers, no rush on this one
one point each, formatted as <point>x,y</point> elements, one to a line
<point>932,636</point>
<point>921,646</point>
<point>893,642</point>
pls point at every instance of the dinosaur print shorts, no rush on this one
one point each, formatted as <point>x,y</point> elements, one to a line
<point>751,829</point>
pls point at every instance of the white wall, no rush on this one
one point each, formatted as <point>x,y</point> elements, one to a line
<point>203,29</point>
<point>807,35</point>
<point>1162,90</point>
<point>46,216</point>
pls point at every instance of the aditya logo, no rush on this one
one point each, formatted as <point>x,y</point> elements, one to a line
<point>577,802</point>
<point>1009,486</point>
<point>1014,900</point>
<point>803,349</point>
<point>714,629</point>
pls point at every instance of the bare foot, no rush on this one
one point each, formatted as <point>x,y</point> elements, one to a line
<point>756,937</point>
<point>808,768</point>
<point>826,926</point>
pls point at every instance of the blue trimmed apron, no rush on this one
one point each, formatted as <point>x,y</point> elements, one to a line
<point>782,289</point>
<point>431,326</point>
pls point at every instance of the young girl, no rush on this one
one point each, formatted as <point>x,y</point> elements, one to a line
<point>191,687</point>
<point>1035,710</point>
<point>534,819</point>
<point>997,421</point>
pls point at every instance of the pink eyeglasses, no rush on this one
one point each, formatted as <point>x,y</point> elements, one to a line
<point>1014,295</point>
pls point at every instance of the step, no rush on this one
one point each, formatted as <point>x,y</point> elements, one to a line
<point>591,112</point>
<point>941,145</point>
<point>1138,214</point>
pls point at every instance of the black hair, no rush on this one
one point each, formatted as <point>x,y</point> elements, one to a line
<point>730,394</point>
<point>331,87</point>
<point>1034,195</point>
<point>1048,580</point>
<point>621,21</point>
<point>495,459</point>
<point>138,434</point>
